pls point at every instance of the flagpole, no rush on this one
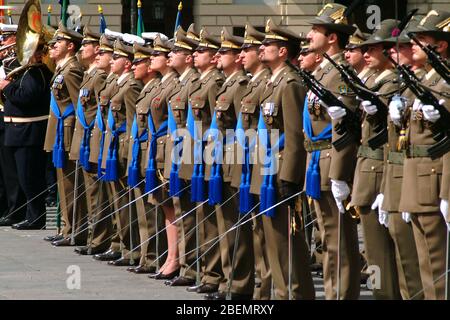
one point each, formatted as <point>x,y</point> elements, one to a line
<point>133,16</point>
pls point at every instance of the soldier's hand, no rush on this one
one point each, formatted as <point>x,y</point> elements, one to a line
<point>406,216</point>
<point>383,216</point>
<point>341,191</point>
<point>430,113</point>
<point>444,211</point>
<point>4,83</point>
<point>336,113</point>
<point>395,107</point>
<point>369,107</point>
<point>288,189</point>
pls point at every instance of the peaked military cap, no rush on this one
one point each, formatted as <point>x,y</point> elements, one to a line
<point>89,36</point>
<point>183,42</point>
<point>403,36</point>
<point>192,34</point>
<point>252,37</point>
<point>123,50</point>
<point>67,34</point>
<point>277,33</point>
<point>141,52</point>
<point>208,41</point>
<point>356,39</point>
<point>435,23</point>
<point>304,48</point>
<point>160,45</point>
<point>383,33</point>
<point>105,44</point>
<point>332,17</point>
<point>229,42</point>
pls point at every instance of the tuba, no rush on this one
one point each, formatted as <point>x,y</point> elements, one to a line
<point>31,33</point>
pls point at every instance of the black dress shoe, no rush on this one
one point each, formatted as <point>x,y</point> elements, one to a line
<point>107,256</point>
<point>193,288</point>
<point>142,269</point>
<point>62,243</point>
<point>121,262</point>
<point>210,296</point>
<point>7,222</point>
<point>169,276</point>
<point>87,250</point>
<point>26,225</point>
<point>180,282</point>
<point>55,237</point>
<point>153,275</point>
<point>207,288</point>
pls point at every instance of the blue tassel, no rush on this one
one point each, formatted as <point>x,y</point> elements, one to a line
<point>243,199</point>
<point>133,176</point>
<point>111,170</point>
<point>315,177</point>
<point>271,199</point>
<point>150,179</point>
<point>201,184</point>
<point>59,157</point>
<point>86,163</point>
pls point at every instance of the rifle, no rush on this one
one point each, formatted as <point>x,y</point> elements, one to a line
<point>441,128</point>
<point>360,89</point>
<point>437,62</point>
<point>349,128</point>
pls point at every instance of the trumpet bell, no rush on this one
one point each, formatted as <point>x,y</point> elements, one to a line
<point>29,31</point>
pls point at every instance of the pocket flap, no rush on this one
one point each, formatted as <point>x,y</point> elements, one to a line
<point>370,166</point>
<point>178,105</point>
<point>198,104</point>
<point>427,169</point>
<point>248,107</point>
<point>115,106</point>
<point>222,106</point>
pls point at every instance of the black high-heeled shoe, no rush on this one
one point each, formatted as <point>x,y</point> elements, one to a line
<point>169,276</point>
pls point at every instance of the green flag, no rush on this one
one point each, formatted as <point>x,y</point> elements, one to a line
<point>64,5</point>
<point>140,21</point>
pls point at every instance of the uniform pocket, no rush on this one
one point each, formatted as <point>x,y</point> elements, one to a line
<point>69,124</point>
<point>160,151</point>
<point>325,163</point>
<point>428,181</point>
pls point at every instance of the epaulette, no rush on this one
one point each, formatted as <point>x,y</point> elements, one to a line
<point>242,79</point>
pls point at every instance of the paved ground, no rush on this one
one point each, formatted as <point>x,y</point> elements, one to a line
<point>31,268</point>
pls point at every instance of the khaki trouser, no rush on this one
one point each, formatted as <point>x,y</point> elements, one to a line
<point>148,218</point>
<point>211,265</point>
<point>262,267</point>
<point>186,231</point>
<point>100,230</point>
<point>430,234</point>
<point>227,214</point>
<point>380,253</point>
<point>406,256</point>
<point>328,215</point>
<point>276,237</point>
<point>66,184</point>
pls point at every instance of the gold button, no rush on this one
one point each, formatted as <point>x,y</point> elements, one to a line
<point>387,145</point>
<point>433,170</point>
<point>362,126</point>
<point>372,168</point>
<point>245,109</point>
<point>388,161</point>
<point>328,154</point>
<point>387,127</point>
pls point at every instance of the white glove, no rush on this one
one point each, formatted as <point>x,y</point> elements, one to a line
<point>340,192</point>
<point>430,113</point>
<point>444,211</point>
<point>383,216</point>
<point>394,111</point>
<point>406,216</point>
<point>369,107</point>
<point>336,113</point>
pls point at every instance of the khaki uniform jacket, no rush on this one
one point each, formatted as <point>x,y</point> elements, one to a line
<point>250,108</point>
<point>92,83</point>
<point>287,95</point>
<point>142,105</point>
<point>227,109</point>
<point>123,107</point>
<point>202,97</point>
<point>65,87</point>
<point>178,99</point>
<point>369,171</point>
<point>422,177</point>
<point>333,164</point>
<point>391,185</point>
<point>109,89</point>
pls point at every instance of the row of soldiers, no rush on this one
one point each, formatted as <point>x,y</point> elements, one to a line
<point>199,150</point>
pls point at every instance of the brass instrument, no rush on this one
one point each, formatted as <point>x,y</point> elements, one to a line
<point>31,33</point>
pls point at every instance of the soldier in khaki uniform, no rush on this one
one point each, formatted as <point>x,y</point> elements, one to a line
<point>422,175</point>
<point>65,89</point>
<point>137,158</point>
<point>378,243</point>
<point>329,34</point>
<point>281,111</point>
<point>400,230</point>
<point>249,110</point>
<point>182,60</point>
<point>202,100</point>
<point>103,62</point>
<point>220,158</point>
<point>93,82</point>
<point>156,113</point>
<point>115,150</point>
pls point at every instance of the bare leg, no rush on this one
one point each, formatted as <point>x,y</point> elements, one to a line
<point>171,263</point>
